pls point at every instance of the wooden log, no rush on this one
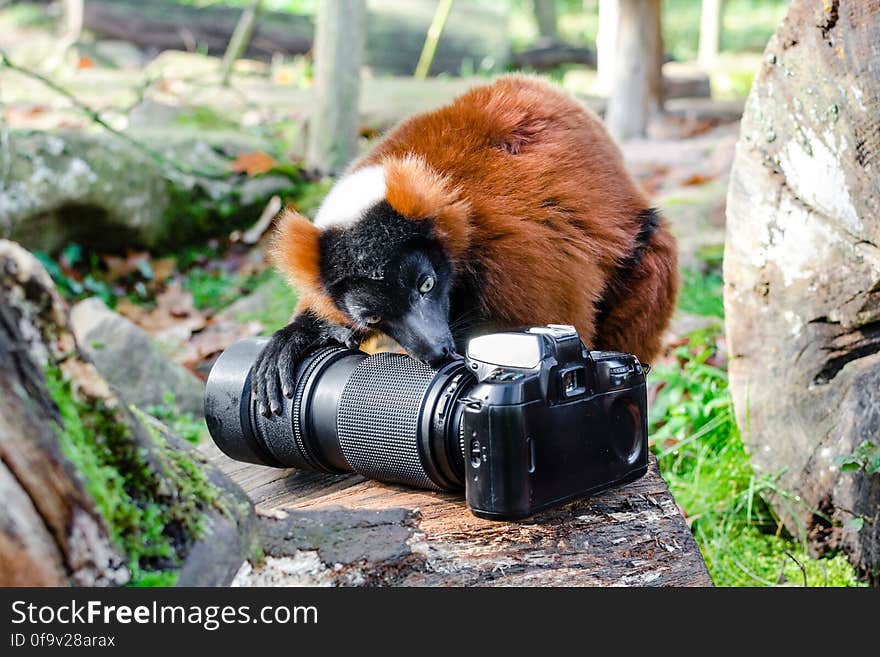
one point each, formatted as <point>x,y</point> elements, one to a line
<point>345,530</point>
<point>545,57</point>
<point>78,466</point>
<point>802,273</point>
<point>475,38</point>
<point>38,477</point>
<point>29,555</point>
<point>161,25</point>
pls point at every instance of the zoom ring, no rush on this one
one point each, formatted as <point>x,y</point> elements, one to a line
<point>383,443</point>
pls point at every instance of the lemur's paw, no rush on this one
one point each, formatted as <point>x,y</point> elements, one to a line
<point>273,371</point>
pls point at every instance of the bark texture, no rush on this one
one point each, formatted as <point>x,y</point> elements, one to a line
<point>345,531</point>
<point>802,272</point>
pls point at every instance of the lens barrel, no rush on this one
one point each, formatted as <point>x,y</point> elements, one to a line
<point>385,416</point>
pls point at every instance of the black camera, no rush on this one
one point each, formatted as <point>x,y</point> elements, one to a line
<point>530,419</point>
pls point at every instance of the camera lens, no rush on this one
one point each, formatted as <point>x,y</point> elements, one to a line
<point>385,416</point>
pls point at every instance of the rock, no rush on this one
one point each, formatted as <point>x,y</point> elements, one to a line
<point>98,189</point>
<point>130,361</point>
<point>73,186</point>
<point>802,274</point>
<point>96,492</point>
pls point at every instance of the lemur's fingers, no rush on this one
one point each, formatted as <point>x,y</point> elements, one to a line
<point>287,359</point>
<point>273,388</point>
<point>266,360</point>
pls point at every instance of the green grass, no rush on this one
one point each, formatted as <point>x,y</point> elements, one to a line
<point>700,293</point>
<point>702,457</point>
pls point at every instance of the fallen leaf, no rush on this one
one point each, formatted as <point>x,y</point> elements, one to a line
<point>85,62</point>
<point>163,268</point>
<point>282,76</point>
<point>253,163</point>
<point>174,312</point>
<point>128,308</point>
<point>119,267</point>
<point>695,179</point>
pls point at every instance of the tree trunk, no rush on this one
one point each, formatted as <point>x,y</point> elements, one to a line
<point>72,16</point>
<point>656,94</point>
<point>339,53</point>
<point>635,87</point>
<point>79,466</point>
<point>545,17</point>
<point>710,32</point>
<point>802,275</point>
<point>606,45</point>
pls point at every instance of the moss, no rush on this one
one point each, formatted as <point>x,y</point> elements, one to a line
<point>182,423</point>
<point>152,516</point>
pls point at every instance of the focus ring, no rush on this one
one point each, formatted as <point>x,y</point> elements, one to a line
<point>297,408</point>
<point>378,419</point>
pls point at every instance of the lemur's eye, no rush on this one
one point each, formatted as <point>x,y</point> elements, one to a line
<point>426,285</point>
<point>372,319</point>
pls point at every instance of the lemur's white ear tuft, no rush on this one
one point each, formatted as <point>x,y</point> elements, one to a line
<point>351,197</point>
<point>296,252</point>
<point>418,192</point>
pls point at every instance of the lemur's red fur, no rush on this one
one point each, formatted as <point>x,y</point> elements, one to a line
<point>521,179</point>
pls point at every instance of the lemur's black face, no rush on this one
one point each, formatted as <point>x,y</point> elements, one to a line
<point>398,284</point>
<point>411,304</point>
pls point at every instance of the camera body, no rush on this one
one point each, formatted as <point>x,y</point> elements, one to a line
<point>528,420</point>
<point>549,421</point>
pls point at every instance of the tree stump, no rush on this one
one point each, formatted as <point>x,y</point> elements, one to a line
<point>802,272</point>
<point>94,491</point>
<point>343,530</point>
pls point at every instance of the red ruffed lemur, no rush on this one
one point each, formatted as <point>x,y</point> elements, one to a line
<point>509,207</point>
